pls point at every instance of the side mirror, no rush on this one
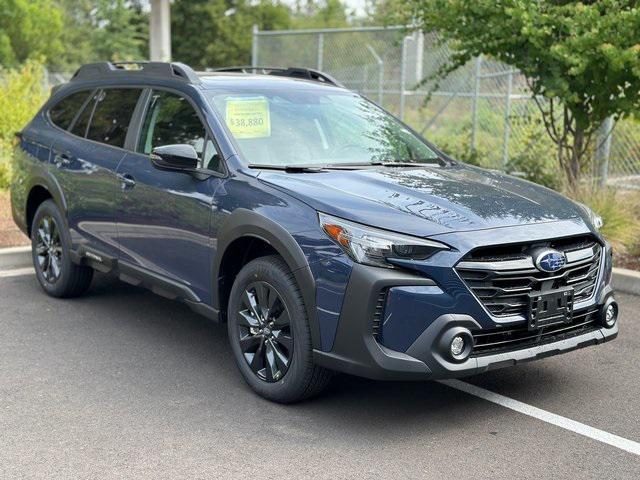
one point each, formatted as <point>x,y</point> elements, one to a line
<point>181,157</point>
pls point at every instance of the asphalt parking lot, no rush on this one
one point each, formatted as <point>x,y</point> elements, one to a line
<point>122,384</point>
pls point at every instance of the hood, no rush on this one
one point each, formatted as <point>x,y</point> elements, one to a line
<point>427,201</point>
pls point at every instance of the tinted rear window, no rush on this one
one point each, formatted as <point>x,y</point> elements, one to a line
<point>63,112</point>
<point>112,115</point>
<point>82,122</point>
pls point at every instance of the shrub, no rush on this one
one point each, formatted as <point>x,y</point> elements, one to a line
<point>620,212</point>
<point>22,92</point>
<point>533,157</point>
<point>5,175</point>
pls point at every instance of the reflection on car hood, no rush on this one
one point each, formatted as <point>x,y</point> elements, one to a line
<point>427,201</point>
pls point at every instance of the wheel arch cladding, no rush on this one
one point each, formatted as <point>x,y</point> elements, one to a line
<point>263,236</point>
<point>42,186</point>
<point>37,196</point>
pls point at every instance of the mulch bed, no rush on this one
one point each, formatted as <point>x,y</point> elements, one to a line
<point>10,236</point>
<point>623,260</point>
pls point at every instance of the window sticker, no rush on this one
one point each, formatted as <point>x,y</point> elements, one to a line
<point>248,117</point>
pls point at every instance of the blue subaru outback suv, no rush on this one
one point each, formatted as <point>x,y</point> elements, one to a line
<point>328,235</point>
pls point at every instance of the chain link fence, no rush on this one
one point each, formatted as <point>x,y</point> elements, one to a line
<point>482,112</point>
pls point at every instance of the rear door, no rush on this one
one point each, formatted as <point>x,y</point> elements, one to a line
<point>87,160</point>
<point>164,217</point>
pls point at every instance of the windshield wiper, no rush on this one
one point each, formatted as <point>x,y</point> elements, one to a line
<point>434,161</point>
<point>289,168</point>
<point>384,164</point>
<point>403,164</point>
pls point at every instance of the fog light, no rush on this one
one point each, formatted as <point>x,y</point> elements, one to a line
<point>610,315</point>
<point>457,346</point>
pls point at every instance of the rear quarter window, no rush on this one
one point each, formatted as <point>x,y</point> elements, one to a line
<point>112,115</point>
<point>63,112</point>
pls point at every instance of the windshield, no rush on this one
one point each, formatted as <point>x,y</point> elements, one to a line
<point>316,127</point>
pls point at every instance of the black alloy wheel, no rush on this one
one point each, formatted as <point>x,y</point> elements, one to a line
<point>57,274</point>
<point>269,332</point>
<point>48,249</point>
<point>264,331</point>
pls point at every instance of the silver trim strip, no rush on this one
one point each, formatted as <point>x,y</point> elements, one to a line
<point>578,255</point>
<point>526,263</point>
<point>520,264</point>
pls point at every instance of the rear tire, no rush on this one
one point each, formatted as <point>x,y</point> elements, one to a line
<point>269,333</point>
<point>50,248</point>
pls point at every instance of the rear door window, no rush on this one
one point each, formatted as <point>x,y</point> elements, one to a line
<point>82,122</point>
<point>112,115</point>
<point>63,112</point>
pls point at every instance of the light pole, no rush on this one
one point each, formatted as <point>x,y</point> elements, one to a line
<point>160,31</point>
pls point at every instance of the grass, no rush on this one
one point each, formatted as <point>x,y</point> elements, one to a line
<point>620,212</point>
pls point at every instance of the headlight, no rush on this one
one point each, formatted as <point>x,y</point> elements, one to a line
<point>371,246</point>
<point>596,220</point>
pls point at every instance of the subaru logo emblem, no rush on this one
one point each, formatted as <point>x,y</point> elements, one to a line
<point>550,260</point>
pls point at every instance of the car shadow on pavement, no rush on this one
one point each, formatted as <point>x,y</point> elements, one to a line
<point>192,355</point>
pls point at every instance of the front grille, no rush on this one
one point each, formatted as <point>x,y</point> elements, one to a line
<point>498,340</point>
<point>503,277</point>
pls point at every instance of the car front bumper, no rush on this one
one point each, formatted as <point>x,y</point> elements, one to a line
<point>357,349</point>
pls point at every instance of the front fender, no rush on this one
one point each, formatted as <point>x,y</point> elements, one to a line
<point>247,223</point>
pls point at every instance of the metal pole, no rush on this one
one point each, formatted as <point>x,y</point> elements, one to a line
<point>507,122</point>
<point>160,31</point>
<point>380,63</point>
<point>603,150</point>
<point>380,83</point>
<point>474,105</point>
<point>254,46</point>
<point>403,74</point>
<point>320,50</point>
<point>419,56</point>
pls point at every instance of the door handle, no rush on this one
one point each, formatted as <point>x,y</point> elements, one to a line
<point>62,160</point>
<point>127,180</point>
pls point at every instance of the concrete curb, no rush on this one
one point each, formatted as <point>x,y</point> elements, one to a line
<point>15,257</point>
<point>626,281</point>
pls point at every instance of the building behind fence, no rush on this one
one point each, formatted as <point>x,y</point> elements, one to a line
<point>484,107</point>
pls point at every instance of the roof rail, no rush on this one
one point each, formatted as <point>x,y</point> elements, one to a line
<point>294,72</point>
<point>147,69</point>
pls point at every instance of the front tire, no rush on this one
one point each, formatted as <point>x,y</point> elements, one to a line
<point>269,333</point>
<point>50,247</point>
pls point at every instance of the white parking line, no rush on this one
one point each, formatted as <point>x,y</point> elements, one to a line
<point>17,272</point>
<point>558,420</point>
<point>515,405</point>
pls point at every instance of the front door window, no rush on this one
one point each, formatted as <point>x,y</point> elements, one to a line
<point>170,119</point>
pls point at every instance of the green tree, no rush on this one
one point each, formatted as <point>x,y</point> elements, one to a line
<point>120,30</point>
<point>29,29</point>
<point>583,58</point>
<point>323,14</point>
<point>214,33</point>
<point>22,93</point>
<point>387,12</point>
<point>104,30</point>
<point>78,34</point>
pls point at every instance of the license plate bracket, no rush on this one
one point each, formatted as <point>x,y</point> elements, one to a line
<point>550,308</point>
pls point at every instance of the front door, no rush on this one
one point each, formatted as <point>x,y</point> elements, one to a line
<point>163,217</point>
